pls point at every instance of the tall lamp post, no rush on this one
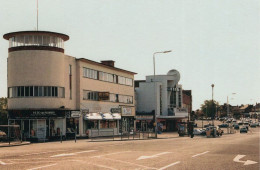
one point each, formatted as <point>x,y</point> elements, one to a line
<point>228,106</point>
<point>213,116</point>
<point>155,99</point>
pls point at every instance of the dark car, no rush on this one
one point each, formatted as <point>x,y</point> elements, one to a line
<point>243,130</point>
<point>205,126</point>
<point>224,125</point>
<point>236,126</point>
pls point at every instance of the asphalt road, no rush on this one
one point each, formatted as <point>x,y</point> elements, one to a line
<point>231,151</point>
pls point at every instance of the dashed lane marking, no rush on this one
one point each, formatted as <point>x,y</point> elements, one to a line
<point>130,163</point>
<point>200,154</point>
<point>38,153</point>
<point>98,156</point>
<point>42,167</point>
<point>167,166</point>
<point>71,154</point>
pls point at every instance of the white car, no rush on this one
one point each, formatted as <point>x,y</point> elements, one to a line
<point>197,131</point>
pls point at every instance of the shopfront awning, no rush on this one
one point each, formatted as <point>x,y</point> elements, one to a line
<point>107,116</point>
<point>93,116</point>
<point>116,116</point>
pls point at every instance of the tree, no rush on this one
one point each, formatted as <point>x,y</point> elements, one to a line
<point>3,111</point>
<point>208,108</point>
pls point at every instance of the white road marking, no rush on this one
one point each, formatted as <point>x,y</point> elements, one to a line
<point>152,156</point>
<point>248,162</point>
<point>2,163</point>
<point>63,154</point>
<point>129,163</point>
<point>175,163</point>
<point>42,167</point>
<point>85,151</point>
<point>98,156</point>
<point>71,154</point>
<point>38,153</point>
<point>103,166</point>
<point>200,154</point>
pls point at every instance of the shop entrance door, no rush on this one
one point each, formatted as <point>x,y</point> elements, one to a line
<point>143,126</point>
<point>26,129</point>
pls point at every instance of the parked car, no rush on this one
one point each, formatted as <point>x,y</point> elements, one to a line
<point>205,126</point>
<point>246,123</point>
<point>243,130</point>
<point>224,125</point>
<point>240,123</point>
<point>253,125</point>
<point>3,135</point>
<point>236,126</point>
<point>197,131</point>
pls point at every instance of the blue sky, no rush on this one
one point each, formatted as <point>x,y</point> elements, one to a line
<point>212,41</point>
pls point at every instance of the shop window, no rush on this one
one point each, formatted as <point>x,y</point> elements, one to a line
<point>92,124</point>
<point>103,124</point>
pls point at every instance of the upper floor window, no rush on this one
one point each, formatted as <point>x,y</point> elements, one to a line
<point>36,40</point>
<point>36,91</point>
<point>89,73</point>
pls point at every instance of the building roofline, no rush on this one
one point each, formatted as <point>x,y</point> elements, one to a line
<point>100,64</point>
<point>12,34</point>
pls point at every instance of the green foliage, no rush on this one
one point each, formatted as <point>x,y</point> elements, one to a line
<point>208,108</point>
<point>3,111</point>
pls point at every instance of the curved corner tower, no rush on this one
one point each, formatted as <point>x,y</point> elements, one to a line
<point>36,70</point>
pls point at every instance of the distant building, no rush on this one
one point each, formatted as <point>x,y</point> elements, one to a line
<point>163,96</point>
<point>187,100</point>
<point>52,94</point>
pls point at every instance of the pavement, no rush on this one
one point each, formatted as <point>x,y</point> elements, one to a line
<point>13,143</point>
<point>234,151</point>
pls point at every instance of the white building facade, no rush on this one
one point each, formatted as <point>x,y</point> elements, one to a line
<point>163,95</point>
<point>51,94</point>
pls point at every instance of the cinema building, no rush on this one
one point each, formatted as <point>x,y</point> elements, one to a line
<point>51,94</point>
<point>160,96</point>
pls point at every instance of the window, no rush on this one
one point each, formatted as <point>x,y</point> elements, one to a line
<point>36,91</point>
<point>26,91</point>
<point>41,91</point>
<point>89,73</point>
<point>90,95</point>
<point>31,90</point>
<point>129,82</point>
<point>45,91</point>
<point>121,80</point>
<point>113,97</point>
<point>125,99</point>
<point>106,77</point>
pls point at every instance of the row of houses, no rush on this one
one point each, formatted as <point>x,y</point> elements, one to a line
<point>52,94</point>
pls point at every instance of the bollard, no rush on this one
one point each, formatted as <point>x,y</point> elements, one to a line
<point>75,137</point>
<point>60,137</point>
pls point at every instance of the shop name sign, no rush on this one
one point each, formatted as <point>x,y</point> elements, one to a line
<point>75,114</point>
<point>127,111</point>
<point>115,110</point>
<point>43,114</point>
<point>35,113</point>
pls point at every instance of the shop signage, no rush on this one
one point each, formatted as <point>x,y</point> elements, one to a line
<point>13,114</point>
<point>127,111</point>
<point>75,114</point>
<point>143,117</point>
<point>115,110</point>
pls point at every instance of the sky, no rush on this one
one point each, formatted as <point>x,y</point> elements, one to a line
<point>212,41</point>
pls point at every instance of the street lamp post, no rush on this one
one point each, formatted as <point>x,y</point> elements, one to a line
<point>155,99</point>
<point>212,105</point>
<point>228,105</point>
